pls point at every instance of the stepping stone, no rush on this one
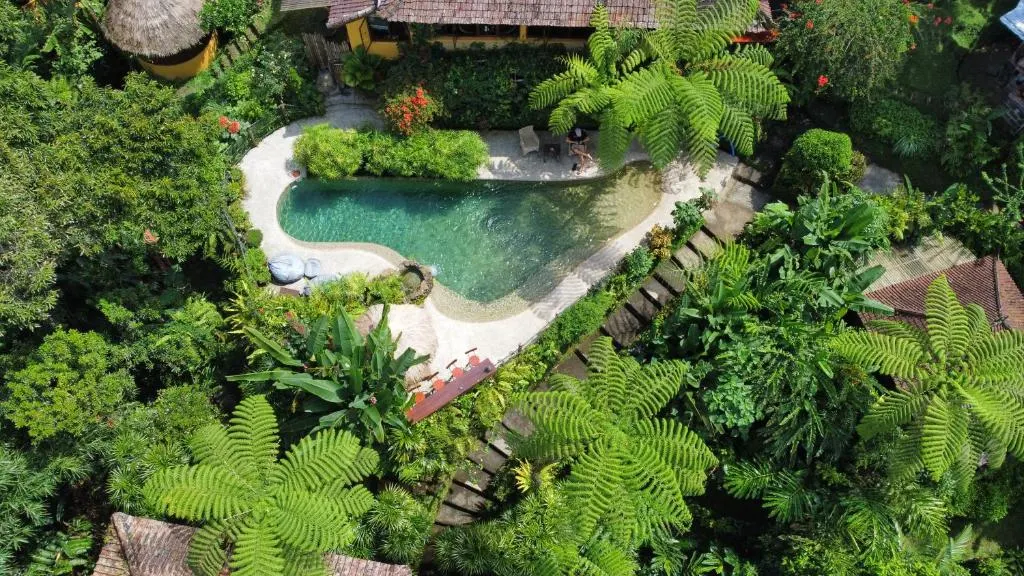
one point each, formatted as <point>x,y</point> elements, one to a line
<point>623,326</point>
<point>687,258</point>
<point>465,499</point>
<point>488,458</point>
<point>517,423</point>
<point>233,52</point>
<point>572,366</point>
<point>657,291</point>
<point>584,346</point>
<point>497,442</point>
<point>643,307</point>
<point>670,275</point>
<point>448,516</point>
<point>727,220</point>
<point>475,479</point>
<point>251,33</point>
<point>705,245</point>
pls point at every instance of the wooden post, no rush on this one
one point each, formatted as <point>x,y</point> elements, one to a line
<point>522,32</point>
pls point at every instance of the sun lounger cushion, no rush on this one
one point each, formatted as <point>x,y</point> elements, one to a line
<point>312,269</point>
<point>286,268</point>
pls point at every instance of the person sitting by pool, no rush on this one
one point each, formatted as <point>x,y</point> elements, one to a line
<point>577,140</point>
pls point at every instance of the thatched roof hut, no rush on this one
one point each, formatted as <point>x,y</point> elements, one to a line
<point>414,329</point>
<point>154,28</point>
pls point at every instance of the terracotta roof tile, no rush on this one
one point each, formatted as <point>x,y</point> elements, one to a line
<point>984,282</point>
<point>145,547</point>
<point>341,11</point>
<point>569,13</point>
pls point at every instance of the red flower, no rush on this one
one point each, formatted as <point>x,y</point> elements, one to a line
<point>419,92</point>
<point>234,127</point>
<point>937,21</point>
<point>223,121</point>
<point>906,2</point>
<point>948,20</point>
<point>913,18</point>
<point>931,5</point>
<point>822,81</point>
<point>817,1</point>
<point>810,24</point>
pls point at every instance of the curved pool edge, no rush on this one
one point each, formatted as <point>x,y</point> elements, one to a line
<point>267,170</point>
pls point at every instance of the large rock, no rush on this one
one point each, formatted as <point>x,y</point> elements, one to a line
<point>286,268</point>
<point>312,269</point>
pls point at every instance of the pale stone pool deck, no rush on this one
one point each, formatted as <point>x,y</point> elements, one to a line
<point>268,166</point>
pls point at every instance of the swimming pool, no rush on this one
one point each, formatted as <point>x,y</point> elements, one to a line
<point>484,239</point>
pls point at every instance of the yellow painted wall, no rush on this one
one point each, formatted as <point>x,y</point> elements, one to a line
<point>359,35</point>
<point>188,68</point>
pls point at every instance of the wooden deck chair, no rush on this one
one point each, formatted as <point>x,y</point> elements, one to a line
<point>528,140</point>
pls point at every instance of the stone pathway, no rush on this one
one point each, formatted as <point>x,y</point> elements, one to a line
<point>736,206</point>
<point>497,336</point>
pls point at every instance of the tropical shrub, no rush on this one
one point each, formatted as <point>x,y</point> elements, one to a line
<point>580,319</point>
<point>909,213</point>
<point>623,459</point>
<point>731,404</point>
<point>1007,187</point>
<point>956,402</point>
<point>349,380</point>
<point>447,154</point>
<point>659,241</point>
<point>73,383</point>
<point>231,15</point>
<point>64,553</point>
<point>633,83</point>
<point>360,69</point>
<point>279,517</point>
<point>816,155</point>
<point>910,132</point>
<point>967,142</point>
<point>638,264</point>
<point>687,219</point>
<point>852,50</point>
<point>410,111</point>
<point>480,88</point>
<point>957,211</point>
<point>329,153</point>
<point>397,528</point>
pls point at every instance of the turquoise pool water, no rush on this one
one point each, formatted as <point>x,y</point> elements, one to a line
<point>485,239</point>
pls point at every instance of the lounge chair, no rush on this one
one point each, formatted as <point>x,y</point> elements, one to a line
<point>528,140</point>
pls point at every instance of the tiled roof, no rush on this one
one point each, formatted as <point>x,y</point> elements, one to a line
<point>570,13</point>
<point>145,547</point>
<point>342,11</point>
<point>984,282</point>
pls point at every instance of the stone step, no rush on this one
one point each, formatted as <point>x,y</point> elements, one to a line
<point>233,53</point>
<point>498,443</point>
<point>623,326</point>
<point>687,257</point>
<point>728,219</point>
<point>642,306</point>
<point>572,366</point>
<point>517,423</point>
<point>465,499</point>
<point>449,516</point>
<point>488,458</point>
<point>252,34</point>
<point>478,480</point>
<point>583,348</point>
<point>671,275</point>
<point>705,245</point>
<point>657,291</point>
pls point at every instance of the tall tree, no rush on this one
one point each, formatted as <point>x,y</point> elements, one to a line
<point>630,470</point>
<point>959,397</point>
<point>676,87</point>
<point>280,516</point>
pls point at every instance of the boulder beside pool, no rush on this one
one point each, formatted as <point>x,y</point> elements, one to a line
<point>312,269</point>
<point>286,268</point>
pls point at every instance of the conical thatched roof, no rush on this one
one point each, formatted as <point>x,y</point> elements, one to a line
<point>414,329</point>
<point>153,28</point>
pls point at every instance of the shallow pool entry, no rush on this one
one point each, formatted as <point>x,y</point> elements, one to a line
<point>484,239</point>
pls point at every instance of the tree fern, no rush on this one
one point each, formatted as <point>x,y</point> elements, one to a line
<point>959,386</point>
<point>278,516</point>
<point>622,458</point>
<point>677,87</point>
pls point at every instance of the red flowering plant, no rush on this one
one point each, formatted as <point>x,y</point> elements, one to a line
<point>411,110</point>
<point>229,128</point>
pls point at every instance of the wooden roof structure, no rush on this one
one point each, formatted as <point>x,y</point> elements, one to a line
<point>153,28</point>
<point>145,547</point>
<point>984,282</point>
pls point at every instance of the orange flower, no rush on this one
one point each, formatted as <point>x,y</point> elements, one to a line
<point>810,24</point>
<point>223,121</point>
<point>913,18</point>
<point>234,127</point>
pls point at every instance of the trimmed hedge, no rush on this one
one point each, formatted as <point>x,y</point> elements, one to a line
<point>816,153</point>
<point>332,153</point>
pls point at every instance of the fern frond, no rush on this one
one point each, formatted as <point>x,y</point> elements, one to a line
<point>894,356</point>
<point>755,53</point>
<point>1002,415</point>
<point>681,449</point>
<point>748,480</point>
<point>254,437</point>
<point>257,550</point>
<point>738,128</point>
<point>299,563</point>
<point>198,493</point>
<point>604,559</point>
<point>787,499</point>
<point>894,408</point>
<point>327,456</point>
<point>206,555</point>
<point>719,22</point>
<point>900,330</point>
<point>653,475</point>
<point>652,387</point>
<point>597,479</point>
<point>943,435</point>
<point>563,415</point>
<point>747,84</point>
<point>615,138</point>
<point>947,321</point>
<point>305,521</point>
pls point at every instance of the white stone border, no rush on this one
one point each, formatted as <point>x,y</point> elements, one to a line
<point>268,167</point>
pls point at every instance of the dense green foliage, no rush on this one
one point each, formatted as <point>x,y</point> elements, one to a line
<point>477,88</point>
<point>279,516</point>
<point>858,48</point>
<point>332,153</point>
<point>909,132</point>
<point>675,88</point>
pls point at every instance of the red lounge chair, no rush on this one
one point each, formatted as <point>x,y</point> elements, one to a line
<point>456,372</point>
<point>474,360</point>
<point>438,384</point>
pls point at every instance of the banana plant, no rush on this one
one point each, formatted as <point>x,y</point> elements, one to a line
<point>344,378</point>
